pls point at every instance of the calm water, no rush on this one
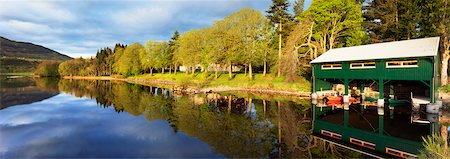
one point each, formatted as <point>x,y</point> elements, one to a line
<point>52,118</point>
<point>75,118</point>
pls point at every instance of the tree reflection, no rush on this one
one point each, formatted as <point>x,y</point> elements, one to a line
<point>235,125</point>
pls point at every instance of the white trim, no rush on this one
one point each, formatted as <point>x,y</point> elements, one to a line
<point>363,65</point>
<point>426,47</point>
<point>401,64</point>
<point>332,67</point>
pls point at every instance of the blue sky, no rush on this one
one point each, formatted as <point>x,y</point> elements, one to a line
<point>80,27</point>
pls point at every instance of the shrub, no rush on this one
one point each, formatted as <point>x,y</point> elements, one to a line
<point>47,69</point>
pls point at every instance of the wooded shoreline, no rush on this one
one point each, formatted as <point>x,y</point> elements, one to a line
<point>190,88</point>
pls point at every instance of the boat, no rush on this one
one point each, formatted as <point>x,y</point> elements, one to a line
<point>334,98</point>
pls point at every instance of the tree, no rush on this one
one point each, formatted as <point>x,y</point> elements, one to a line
<point>189,52</point>
<point>128,65</point>
<point>298,7</point>
<point>118,52</point>
<point>264,48</point>
<point>145,56</point>
<point>278,15</point>
<point>392,20</point>
<point>161,55</point>
<point>173,46</point>
<point>336,23</point>
<point>47,69</point>
<point>252,25</point>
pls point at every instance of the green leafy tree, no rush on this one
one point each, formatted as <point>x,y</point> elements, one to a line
<point>336,23</point>
<point>128,65</point>
<point>189,52</point>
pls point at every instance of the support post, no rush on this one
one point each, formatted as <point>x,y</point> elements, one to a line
<point>346,118</point>
<point>380,124</point>
<point>381,88</point>
<point>432,98</point>
<point>380,101</point>
<point>346,82</point>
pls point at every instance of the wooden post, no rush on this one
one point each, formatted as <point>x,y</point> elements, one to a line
<point>380,124</point>
<point>381,88</point>
<point>346,83</point>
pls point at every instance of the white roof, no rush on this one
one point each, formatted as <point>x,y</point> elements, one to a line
<point>397,49</point>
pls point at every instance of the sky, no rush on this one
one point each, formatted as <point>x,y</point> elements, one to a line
<point>79,28</point>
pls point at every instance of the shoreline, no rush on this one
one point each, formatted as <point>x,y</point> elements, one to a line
<point>194,89</point>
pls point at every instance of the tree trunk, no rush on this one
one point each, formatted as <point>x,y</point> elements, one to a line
<point>444,134</point>
<point>279,52</point>
<point>175,69</point>
<point>162,70</point>
<point>245,70</point>
<point>230,70</point>
<point>264,106</point>
<point>193,71</point>
<point>217,72</point>
<point>265,68</point>
<point>151,71</point>
<point>170,69</point>
<point>229,103</point>
<point>444,68</point>
<point>250,71</point>
<point>249,105</point>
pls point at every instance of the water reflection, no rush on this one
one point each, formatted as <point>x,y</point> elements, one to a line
<point>116,119</point>
<point>25,90</point>
<point>382,131</point>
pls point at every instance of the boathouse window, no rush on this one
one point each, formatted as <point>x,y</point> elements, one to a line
<point>331,66</point>
<point>362,65</point>
<point>402,64</point>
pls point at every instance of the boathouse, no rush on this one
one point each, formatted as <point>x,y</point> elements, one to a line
<point>396,69</point>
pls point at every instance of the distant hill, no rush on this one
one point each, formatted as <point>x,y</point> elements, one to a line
<point>14,49</point>
<point>24,57</point>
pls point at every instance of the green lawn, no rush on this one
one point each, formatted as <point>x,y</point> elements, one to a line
<point>16,73</point>
<point>239,80</point>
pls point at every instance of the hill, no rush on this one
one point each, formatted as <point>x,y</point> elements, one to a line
<point>24,56</point>
<point>14,49</point>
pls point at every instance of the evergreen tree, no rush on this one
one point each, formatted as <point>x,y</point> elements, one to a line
<point>278,16</point>
<point>299,8</point>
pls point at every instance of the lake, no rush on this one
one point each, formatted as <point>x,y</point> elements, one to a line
<point>53,118</point>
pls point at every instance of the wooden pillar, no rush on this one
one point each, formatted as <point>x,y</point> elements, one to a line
<point>380,124</point>
<point>381,88</point>
<point>346,82</point>
<point>391,90</point>
<point>432,98</point>
<point>346,118</point>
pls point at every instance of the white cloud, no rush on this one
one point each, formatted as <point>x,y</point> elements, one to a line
<point>37,11</point>
<point>80,28</point>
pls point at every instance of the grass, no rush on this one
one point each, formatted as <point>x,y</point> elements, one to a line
<point>434,147</point>
<point>16,73</point>
<point>239,81</point>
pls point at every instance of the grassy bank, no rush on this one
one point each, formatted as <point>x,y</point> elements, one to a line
<point>16,73</point>
<point>269,82</point>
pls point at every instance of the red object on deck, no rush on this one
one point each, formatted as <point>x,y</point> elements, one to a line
<point>334,98</point>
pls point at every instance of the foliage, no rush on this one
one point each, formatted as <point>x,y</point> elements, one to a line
<point>128,65</point>
<point>47,69</point>
<point>434,148</point>
<point>337,23</point>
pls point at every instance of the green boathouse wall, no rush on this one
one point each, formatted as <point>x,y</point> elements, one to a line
<point>424,71</point>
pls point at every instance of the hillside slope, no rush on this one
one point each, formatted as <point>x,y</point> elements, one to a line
<point>14,49</point>
<point>23,56</point>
